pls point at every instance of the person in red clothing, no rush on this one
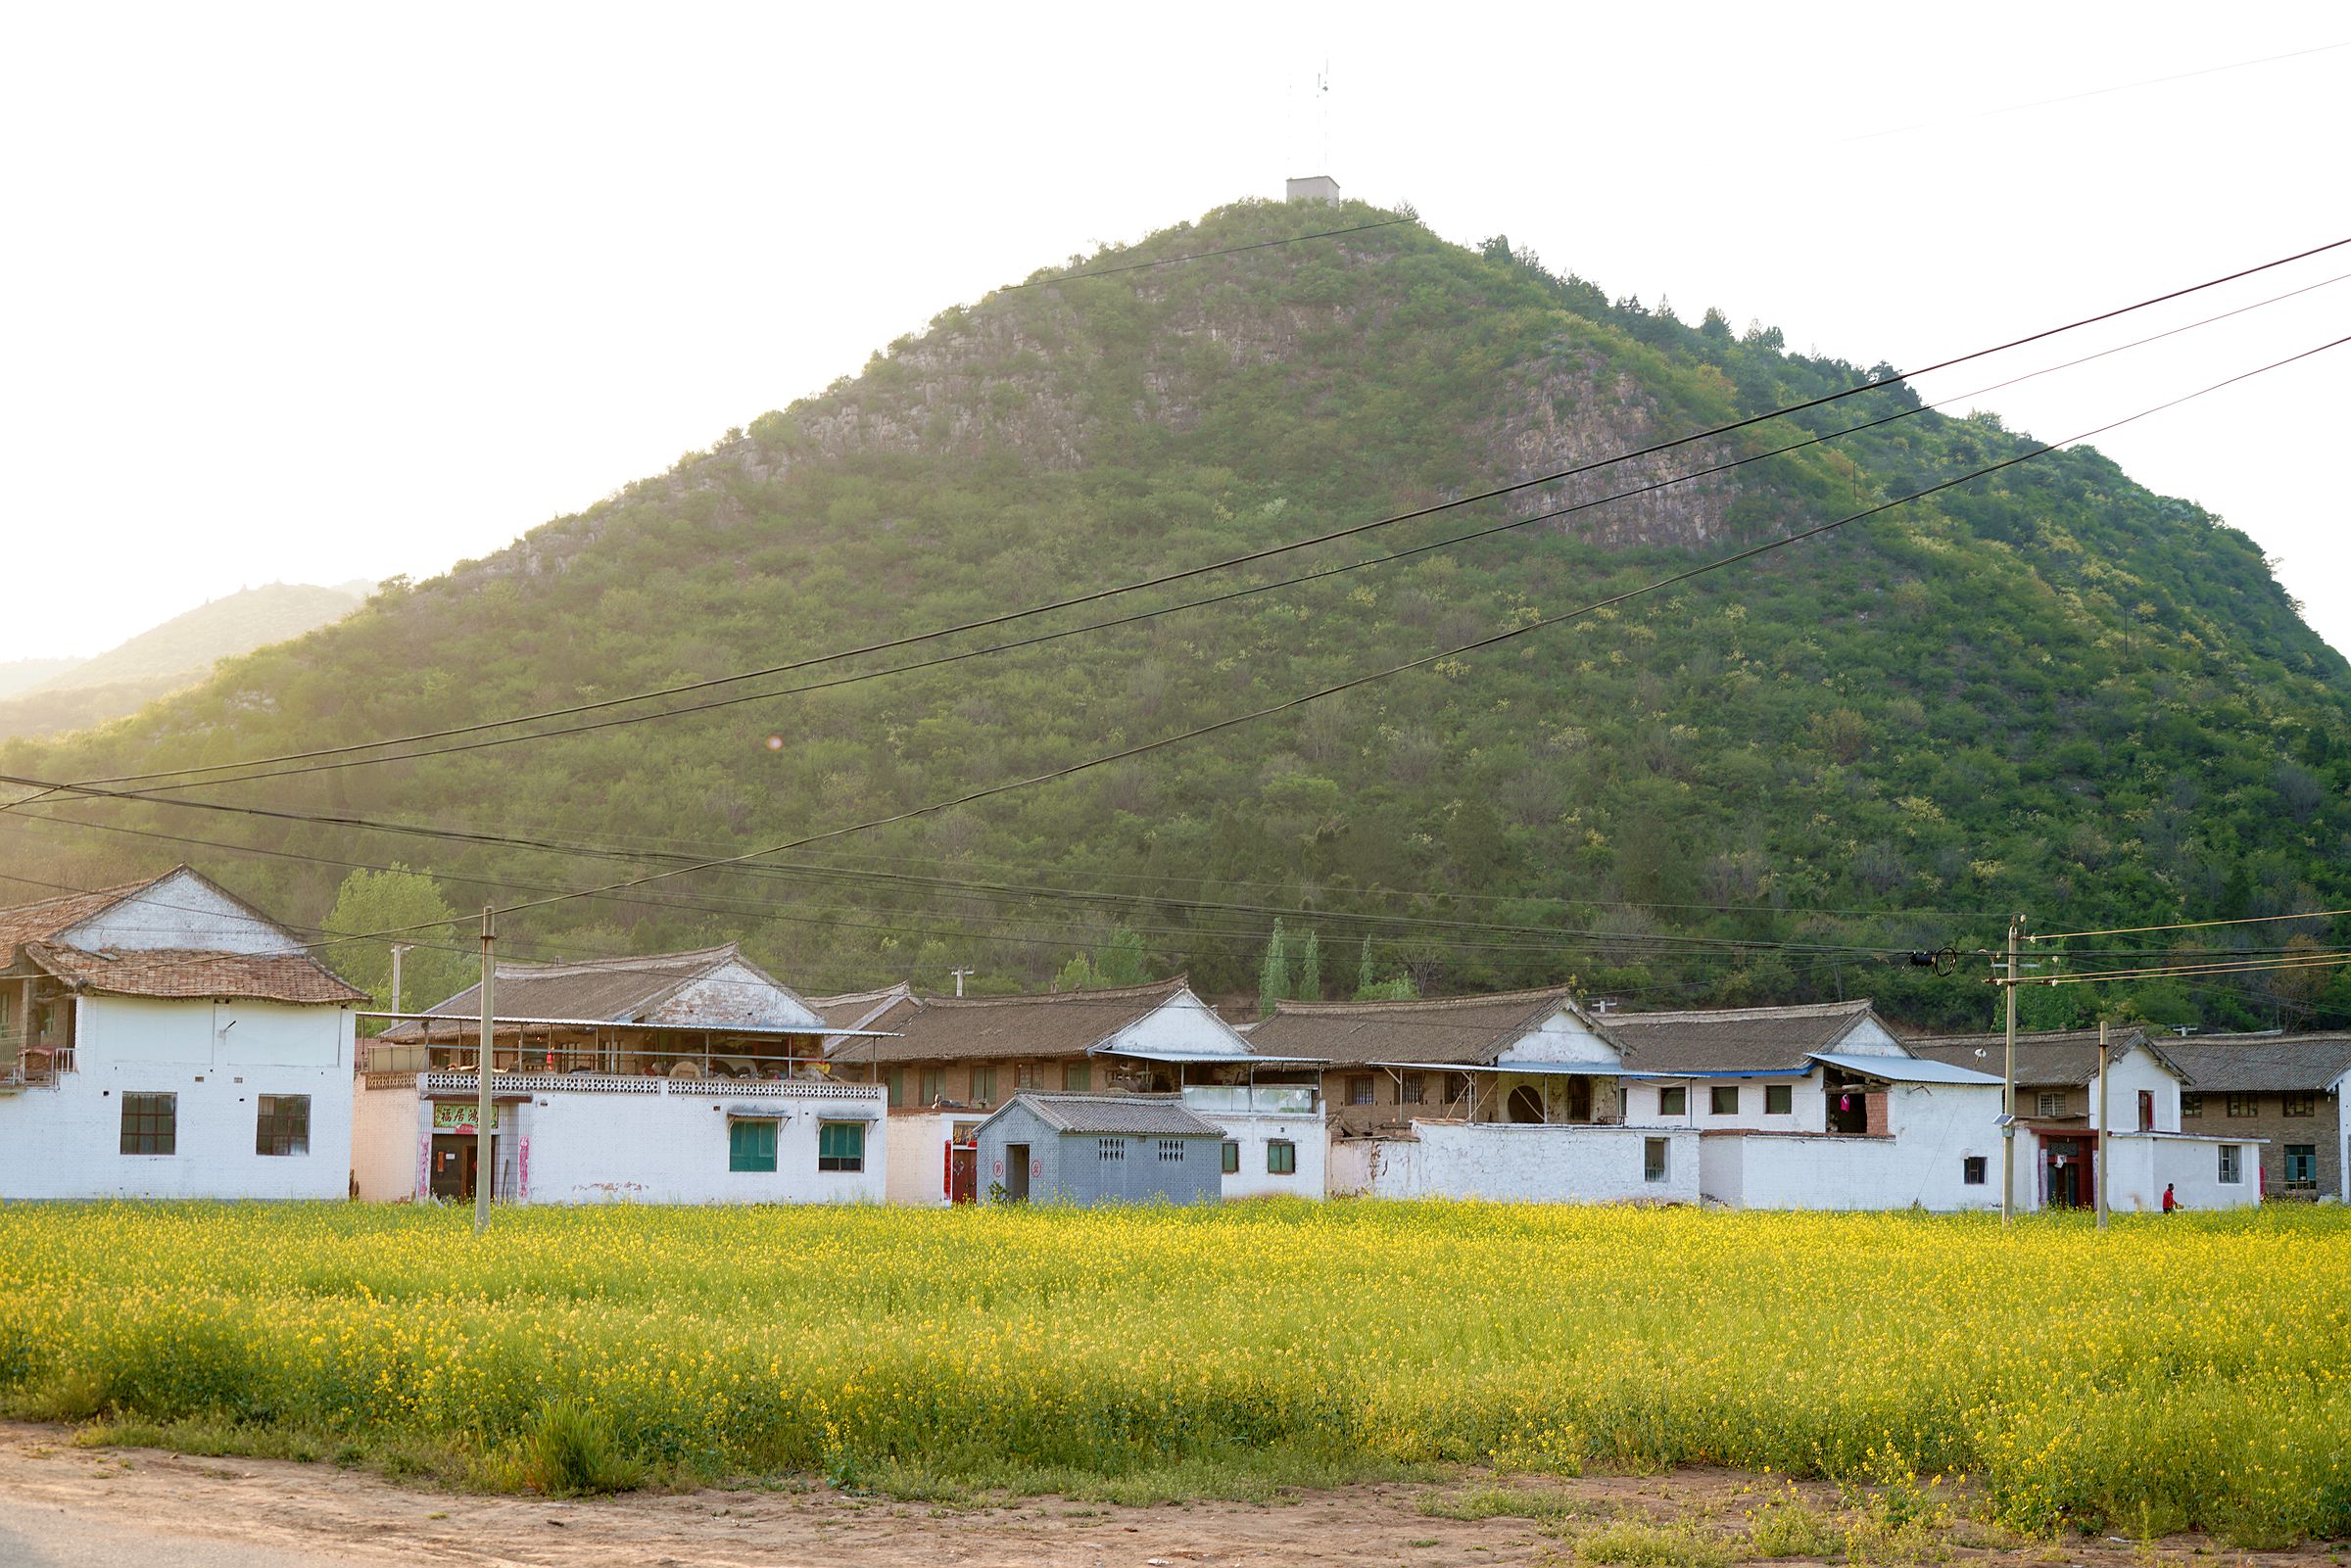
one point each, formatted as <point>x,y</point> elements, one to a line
<point>2169,1202</point>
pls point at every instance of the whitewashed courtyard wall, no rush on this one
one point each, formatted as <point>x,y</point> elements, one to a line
<point>1526,1162</point>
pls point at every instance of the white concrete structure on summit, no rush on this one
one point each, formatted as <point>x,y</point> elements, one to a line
<point>165,1039</point>
<point>674,1079</point>
<point>1313,188</point>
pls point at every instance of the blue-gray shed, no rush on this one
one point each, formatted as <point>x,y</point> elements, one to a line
<point>1099,1148</point>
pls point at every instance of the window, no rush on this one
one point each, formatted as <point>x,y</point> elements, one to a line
<point>1109,1150</point>
<point>1170,1151</point>
<point>1416,1089</point>
<point>2232,1171</point>
<point>150,1123</point>
<point>1281,1157</point>
<point>1023,1076</point>
<point>44,1019</point>
<point>1971,1170</point>
<point>2297,1105</point>
<point>933,1086</point>
<point>897,1087</point>
<point>1653,1160</point>
<point>1674,1102</point>
<point>1359,1090</point>
<point>8,1000</point>
<point>1723,1100</point>
<point>1457,1086</point>
<point>751,1145</point>
<point>2051,1102</point>
<point>2244,1105</point>
<point>283,1126</point>
<point>2192,1104</point>
<point>840,1146</point>
<point>1779,1099</point>
<point>983,1085</point>
<point>1233,1160</point>
<point>2301,1165</point>
<point>1078,1077</point>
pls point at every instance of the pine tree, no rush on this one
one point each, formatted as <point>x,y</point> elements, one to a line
<point>1274,975</point>
<point>1363,978</point>
<point>1309,986</point>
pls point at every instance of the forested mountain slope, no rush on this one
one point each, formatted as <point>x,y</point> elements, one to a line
<point>2048,691</point>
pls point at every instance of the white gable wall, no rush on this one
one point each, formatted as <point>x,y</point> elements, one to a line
<point>1183,1022</point>
<point>1868,1037</point>
<point>735,995</point>
<point>182,911</point>
<point>1560,1037</point>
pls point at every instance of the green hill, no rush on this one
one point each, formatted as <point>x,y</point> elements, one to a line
<point>2047,691</point>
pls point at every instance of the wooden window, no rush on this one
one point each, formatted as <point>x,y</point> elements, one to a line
<point>1416,1089</point>
<point>1971,1170</point>
<point>2232,1169</point>
<point>282,1124</point>
<point>1673,1102</point>
<point>1723,1100</point>
<point>2301,1165</point>
<point>1024,1075</point>
<point>44,1019</point>
<point>983,1085</point>
<point>1233,1159</point>
<point>1457,1086</point>
<point>1361,1089</point>
<point>840,1146</point>
<point>2244,1105</point>
<point>897,1087</point>
<point>933,1086</point>
<point>2297,1105</point>
<point>1779,1099</point>
<point>1281,1157</point>
<point>2051,1102</point>
<point>1110,1150</point>
<point>2192,1104</point>
<point>1653,1159</point>
<point>1078,1077</point>
<point>1170,1151</point>
<point>751,1146</point>
<point>8,1003</point>
<point>150,1123</point>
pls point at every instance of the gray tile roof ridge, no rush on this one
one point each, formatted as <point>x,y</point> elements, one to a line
<point>1737,1015</point>
<point>1108,994</point>
<point>557,968</point>
<point>1421,1002</point>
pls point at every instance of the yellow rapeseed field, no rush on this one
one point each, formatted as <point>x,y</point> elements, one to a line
<point>2194,1371</point>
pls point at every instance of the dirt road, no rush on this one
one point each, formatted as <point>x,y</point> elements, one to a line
<point>63,1507</point>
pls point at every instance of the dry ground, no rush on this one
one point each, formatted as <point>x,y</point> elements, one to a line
<point>61,1502</point>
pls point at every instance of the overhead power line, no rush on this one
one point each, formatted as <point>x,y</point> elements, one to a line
<point>858,676</point>
<point>1226,563</point>
<point>2187,926</point>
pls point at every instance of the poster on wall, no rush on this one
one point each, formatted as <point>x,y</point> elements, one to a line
<point>456,1116</point>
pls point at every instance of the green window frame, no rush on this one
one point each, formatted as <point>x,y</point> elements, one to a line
<point>150,1123</point>
<point>1779,1099</point>
<point>1723,1100</point>
<point>983,1085</point>
<point>1281,1157</point>
<point>282,1124</point>
<point>1233,1159</point>
<point>897,1087</point>
<point>752,1145</point>
<point>840,1146</point>
<point>2301,1165</point>
<point>933,1086</point>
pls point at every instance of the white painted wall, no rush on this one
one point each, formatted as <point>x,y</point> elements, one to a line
<point>1253,1131</point>
<point>1525,1164</point>
<point>182,911</point>
<point>1934,1130</point>
<point>917,1173</point>
<point>67,1141</point>
<point>385,1154</point>
<point>2137,1070</point>
<point>1183,1022</point>
<point>734,993</point>
<point>1807,1110</point>
<point>1869,1037</point>
<point>1560,1037</point>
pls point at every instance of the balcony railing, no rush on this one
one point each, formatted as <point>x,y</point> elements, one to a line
<point>31,1067</point>
<point>1266,1097</point>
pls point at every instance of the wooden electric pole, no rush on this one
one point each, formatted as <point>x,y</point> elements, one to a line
<point>2101,1173</point>
<point>2016,928</point>
<point>485,1164</point>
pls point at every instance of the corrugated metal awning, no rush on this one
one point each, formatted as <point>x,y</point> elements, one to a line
<point>1905,1069</point>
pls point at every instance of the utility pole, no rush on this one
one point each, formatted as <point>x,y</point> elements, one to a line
<point>485,1165</point>
<point>959,974</point>
<point>2016,930</point>
<point>2101,1170</point>
<point>399,949</point>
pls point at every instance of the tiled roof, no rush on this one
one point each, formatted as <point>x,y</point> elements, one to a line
<point>2056,1058</point>
<point>2249,1064</point>
<point>1063,1023</point>
<point>867,1010</point>
<point>614,990</point>
<point>1142,1115</point>
<point>37,923</point>
<point>1736,1039</point>
<point>1470,1030</point>
<point>191,972</point>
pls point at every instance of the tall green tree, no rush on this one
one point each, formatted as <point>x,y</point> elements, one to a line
<point>1307,986</point>
<point>1272,973</point>
<point>436,965</point>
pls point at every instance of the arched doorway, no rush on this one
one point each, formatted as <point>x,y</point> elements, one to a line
<point>1525,1104</point>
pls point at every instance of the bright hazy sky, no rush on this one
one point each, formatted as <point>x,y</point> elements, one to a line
<point>318,293</point>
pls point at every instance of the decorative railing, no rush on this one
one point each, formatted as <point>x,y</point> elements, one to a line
<point>510,1083</point>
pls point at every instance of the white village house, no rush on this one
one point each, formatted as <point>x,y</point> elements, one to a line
<point>1516,1096</point>
<point>2057,1130</point>
<point>675,1078</point>
<point>946,1063</point>
<point>165,1039</point>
